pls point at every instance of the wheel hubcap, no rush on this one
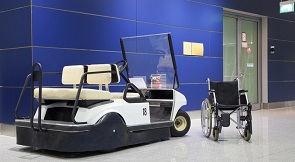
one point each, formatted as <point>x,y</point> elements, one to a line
<point>180,123</point>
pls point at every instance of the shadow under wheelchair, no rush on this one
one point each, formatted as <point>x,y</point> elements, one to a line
<point>228,135</point>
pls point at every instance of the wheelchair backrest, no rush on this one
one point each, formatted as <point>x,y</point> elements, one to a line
<point>226,92</point>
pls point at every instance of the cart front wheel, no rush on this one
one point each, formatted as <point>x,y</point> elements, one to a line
<point>181,124</point>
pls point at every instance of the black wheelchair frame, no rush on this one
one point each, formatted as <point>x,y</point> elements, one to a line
<point>225,98</point>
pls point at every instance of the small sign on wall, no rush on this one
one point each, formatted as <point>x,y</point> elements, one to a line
<point>244,40</point>
<point>244,37</point>
<point>187,48</point>
<point>249,50</point>
<point>191,48</point>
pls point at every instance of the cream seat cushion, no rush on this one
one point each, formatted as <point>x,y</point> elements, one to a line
<point>119,95</point>
<point>70,94</point>
<point>72,74</point>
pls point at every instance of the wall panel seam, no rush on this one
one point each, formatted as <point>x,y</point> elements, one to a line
<point>282,40</point>
<point>283,81</point>
<point>138,21</point>
<point>14,48</point>
<point>282,61</point>
<point>84,13</point>
<point>15,9</point>
<point>282,19</point>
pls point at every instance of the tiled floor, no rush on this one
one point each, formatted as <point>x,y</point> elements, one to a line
<point>272,140</point>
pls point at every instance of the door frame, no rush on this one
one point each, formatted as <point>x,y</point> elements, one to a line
<point>239,15</point>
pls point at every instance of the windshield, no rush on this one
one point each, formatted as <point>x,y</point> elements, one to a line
<point>150,60</point>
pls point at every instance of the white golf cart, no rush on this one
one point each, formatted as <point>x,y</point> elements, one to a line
<point>81,118</point>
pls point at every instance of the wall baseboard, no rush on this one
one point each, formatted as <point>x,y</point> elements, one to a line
<point>7,130</point>
<point>274,105</point>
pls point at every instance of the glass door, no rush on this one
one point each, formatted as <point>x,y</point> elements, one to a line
<point>240,54</point>
<point>248,59</point>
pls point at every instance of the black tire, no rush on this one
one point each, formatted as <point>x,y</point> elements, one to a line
<point>215,134</point>
<point>247,134</point>
<point>181,125</point>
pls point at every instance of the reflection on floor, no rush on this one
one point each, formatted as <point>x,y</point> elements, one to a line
<point>272,140</point>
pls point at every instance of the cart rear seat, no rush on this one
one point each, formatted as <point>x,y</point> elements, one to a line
<point>71,75</point>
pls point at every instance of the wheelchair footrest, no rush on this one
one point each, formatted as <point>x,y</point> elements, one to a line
<point>225,119</point>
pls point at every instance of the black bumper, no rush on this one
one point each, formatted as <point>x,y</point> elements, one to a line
<point>109,133</point>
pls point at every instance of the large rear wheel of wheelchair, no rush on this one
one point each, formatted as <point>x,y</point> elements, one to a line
<point>182,124</point>
<point>206,118</point>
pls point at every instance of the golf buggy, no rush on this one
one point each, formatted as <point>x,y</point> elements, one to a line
<point>90,117</point>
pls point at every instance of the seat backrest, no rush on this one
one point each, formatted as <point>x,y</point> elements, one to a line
<point>72,74</point>
<point>227,92</point>
<point>112,76</point>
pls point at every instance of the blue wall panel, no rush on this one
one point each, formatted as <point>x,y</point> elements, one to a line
<point>216,19</point>
<point>279,29</point>
<point>252,6</point>
<point>178,35</point>
<point>15,65</point>
<point>22,27</point>
<point>15,28</point>
<point>215,48</point>
<point>6,20</point>
<point>189,70</point>
<point>281,91</point>
<point>195,94</point>
<point>7,104</point>
<point>272,9</point>
<point>115,8</point>
<point>8,101</point>
<point>281,64</point>
<point>215,69</point>
<point>12,4</point>
<point>284,50</point>
<point>179,13</point>
<point>281,70</point>
<point>55,28</point>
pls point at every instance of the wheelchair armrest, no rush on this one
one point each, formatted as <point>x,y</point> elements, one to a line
<point>243,91</point>
<point>211,90</point>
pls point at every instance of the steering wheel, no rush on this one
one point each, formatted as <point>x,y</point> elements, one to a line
<point>122,64</point>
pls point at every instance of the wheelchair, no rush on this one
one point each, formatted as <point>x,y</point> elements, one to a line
<point>225,98</point>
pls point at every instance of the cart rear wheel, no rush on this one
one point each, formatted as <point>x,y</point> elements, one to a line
<point>206,118</point>
<point>181,124</point>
